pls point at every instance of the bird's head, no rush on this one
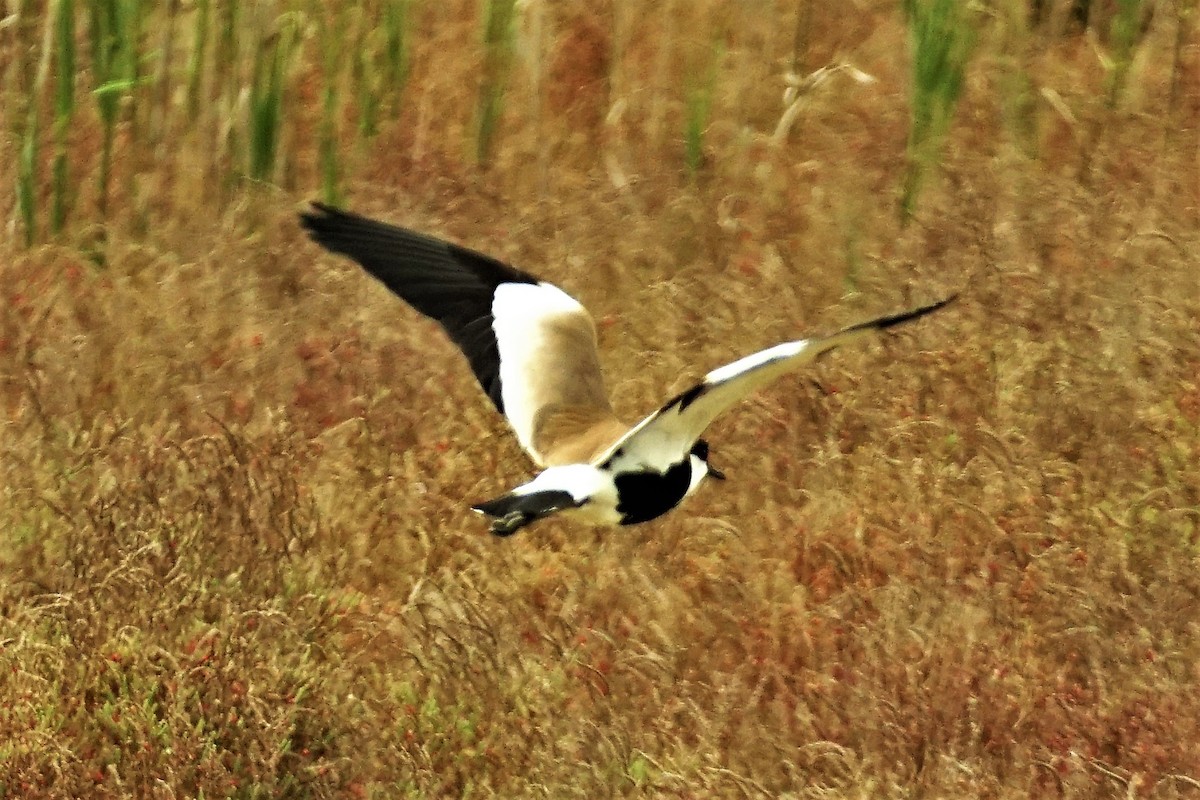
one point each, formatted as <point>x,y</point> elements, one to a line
<point>700,453</point>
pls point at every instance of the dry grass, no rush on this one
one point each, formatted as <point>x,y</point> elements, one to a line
<point>234,473</point>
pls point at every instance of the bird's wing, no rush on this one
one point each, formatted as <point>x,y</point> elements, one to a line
<point>530,344</point>
<point>662,438</point>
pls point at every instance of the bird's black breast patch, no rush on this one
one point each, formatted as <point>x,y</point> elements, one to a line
<point>642,496</point>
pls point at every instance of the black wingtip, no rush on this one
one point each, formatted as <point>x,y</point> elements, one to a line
<point>905,316</point>
<point>318,215</point>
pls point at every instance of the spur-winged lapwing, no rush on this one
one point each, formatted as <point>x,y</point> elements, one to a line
<point>533,348</point>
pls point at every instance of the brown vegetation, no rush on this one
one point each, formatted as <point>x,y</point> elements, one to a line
<point>236,554</point>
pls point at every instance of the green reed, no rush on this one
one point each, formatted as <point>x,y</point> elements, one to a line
<point>498,37</point>
<point>64,109</point>
<point>941,40</point>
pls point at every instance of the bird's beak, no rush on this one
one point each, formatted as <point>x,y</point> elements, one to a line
<point>713,472</point>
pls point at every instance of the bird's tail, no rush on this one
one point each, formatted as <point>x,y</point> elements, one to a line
<point>514,511</point>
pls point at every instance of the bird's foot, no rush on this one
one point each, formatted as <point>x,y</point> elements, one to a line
<point>509,524</point>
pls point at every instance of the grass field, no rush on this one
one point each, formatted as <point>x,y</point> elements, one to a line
<point>236,559</point>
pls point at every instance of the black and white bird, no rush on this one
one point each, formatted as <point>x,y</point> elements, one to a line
<point>533,349</point>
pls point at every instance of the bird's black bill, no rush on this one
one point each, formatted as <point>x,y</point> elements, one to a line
<point>713,472</point>
<point>514,511</point>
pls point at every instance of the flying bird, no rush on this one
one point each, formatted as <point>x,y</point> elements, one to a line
<point>533,349</point>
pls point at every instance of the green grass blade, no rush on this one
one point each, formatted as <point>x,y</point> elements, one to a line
<point>64,110</point>
<point>114,33</point>
<point>196,61</point>
<point>1124,32</point>
<point>329,140</point>
<point>698,110</point>
<point>64,96</point>
<point>498,36</point>
<point>941,40</point>
<point>366,82</point>
<point>264,113</point>
<point>27,176</point>
<point>396,20</point>
<point>328,147</point>
<point>266,100</point>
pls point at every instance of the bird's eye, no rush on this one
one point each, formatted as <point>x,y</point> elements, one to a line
<point>700,450</point>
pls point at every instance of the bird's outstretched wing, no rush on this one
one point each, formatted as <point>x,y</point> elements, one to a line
<point>531,345</point>
<point>659,439</point>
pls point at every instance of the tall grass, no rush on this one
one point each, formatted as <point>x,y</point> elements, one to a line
<point>1124,32</point>
<point>397,44</point>
<point>227,88</point>
<point>381,64</point>
<point>236,64</point>
<point>196,56</point>
<point>27,162</point>
<point>271,60</point>
<point>498,36</point>
<point>30,148</point>
<point>232,66</point>
<point>115,25</point>
<point>701,83</point>
<point>226,57</point>
<point>1018,96</point>
<point>1185,14</point>
<point>940,41</point>
<point>332,42</point>
<point>64,110</point>
<point>162,111</point>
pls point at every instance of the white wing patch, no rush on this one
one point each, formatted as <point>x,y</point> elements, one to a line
<point>520,312</point>
<point>755,360</point>
<point>662,438</point>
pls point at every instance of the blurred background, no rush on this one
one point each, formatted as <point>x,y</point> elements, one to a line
<point>235,472</point>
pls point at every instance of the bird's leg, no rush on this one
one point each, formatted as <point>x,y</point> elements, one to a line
<point>510,523</point>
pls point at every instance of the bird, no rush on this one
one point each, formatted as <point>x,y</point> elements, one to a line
<point>533,349</point>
